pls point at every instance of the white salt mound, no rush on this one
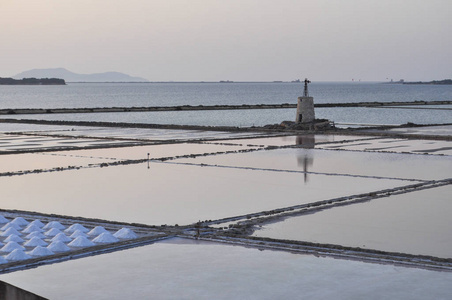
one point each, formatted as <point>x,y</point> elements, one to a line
<point>2,260</point>
<point>10,231</point>
<point>14,238</point>
<point>40,251</point>
<point>76,227</point>
<point>61,237</point>
<point>3,220</point>
<point>38,223</point>
<point>20,221</point>
<point>58,246</point>
<point>10,225</point>
<point>97,230</point>
<point>81,241</point>
<point>32,228</point>
<point>35,234</point>
<point>52,232</point>
<point>54,224</point>
<point>78,233</point>
<point>105,237</point>
<point>11,246</point>
<point>17,254</point>
<point>33,242</point>
<point>125,233</point>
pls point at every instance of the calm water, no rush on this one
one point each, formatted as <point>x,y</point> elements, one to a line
<point>169,94</point>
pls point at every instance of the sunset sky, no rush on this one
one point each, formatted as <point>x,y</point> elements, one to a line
<point>240,40</point>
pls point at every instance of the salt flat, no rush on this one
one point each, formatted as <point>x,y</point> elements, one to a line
<point>180,269</point>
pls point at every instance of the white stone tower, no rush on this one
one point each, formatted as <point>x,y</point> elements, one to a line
<point>305,106</point>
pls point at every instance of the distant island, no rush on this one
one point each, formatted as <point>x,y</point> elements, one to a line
<point>32,81</point>
<point>401,81</point>
<point>69,76</point>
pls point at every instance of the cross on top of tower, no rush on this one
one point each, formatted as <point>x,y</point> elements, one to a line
<point>305,93</point>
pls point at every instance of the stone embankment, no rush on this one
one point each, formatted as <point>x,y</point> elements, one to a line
<point>23,111</point>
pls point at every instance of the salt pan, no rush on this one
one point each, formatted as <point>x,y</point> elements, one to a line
<point>10,231</point>
<point>78,233</point>
<point>17,254</point>
<point>52,232</point>
<point>20,221</point>
<point>14,238</point>
<point>3,220</point>
<point>10,225</point>
<point>40,251</point>
<point>35,234</point>
<point>38,223</point>
<point>11,246</point>
<point>81,242</point>
<point>105,238</point>
<point>58,246</point>
<point>54,224</point>
<point>76,227</point>
<point>32,228</point>
<point>61,237</point>
<point>97,230</point>
<point>35,241</point>
<point>125,233</point>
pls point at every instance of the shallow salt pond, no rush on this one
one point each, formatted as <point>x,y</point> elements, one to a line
<point>396,145</point>
<point>422,167</point>
<point>415,223</point>
<point>42,161</point>
<point>184,269</point>
<point>155,151</point>
<point>307,140</point>
<point>168,193</point>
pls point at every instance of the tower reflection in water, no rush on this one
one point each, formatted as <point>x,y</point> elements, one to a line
<point>306,159</point>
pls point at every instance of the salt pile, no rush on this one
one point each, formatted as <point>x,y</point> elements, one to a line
<point>125,233</point>
<point>61,237</point>
<point>20,221</point>
<point>58,246</point>
<point>40,251</point>
<point>81,242</point>
<point>35,234</point>
<point>10,225</point>
<point>17,254</point>
<point>78,233</point>
<point>14,238</point>
<point>105,237</point>
<point>97,230</point>
<point>10,231</point>
<point>54,224</point>
<point>33,242</point>
<point>32,228</point>
<point>11,246</point>
<point>52,232</point>
<point>3,220</point>
<point>2,260</point>
<point>38,223</point>
<point>76,227</point>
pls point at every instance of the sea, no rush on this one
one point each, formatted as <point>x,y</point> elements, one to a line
<point>98,95</point>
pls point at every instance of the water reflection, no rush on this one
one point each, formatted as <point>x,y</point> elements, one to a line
<point>306,159</point>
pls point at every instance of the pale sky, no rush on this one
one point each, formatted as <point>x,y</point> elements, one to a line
<point>240,40</point>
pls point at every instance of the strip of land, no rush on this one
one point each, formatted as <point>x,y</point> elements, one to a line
<point>21,111</point>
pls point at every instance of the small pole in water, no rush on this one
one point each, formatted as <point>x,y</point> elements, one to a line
<point>148,160</point>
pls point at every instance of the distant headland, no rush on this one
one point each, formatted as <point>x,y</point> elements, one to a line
<point>32,81</point>
<point>444,81</point>
<point>69,76</point>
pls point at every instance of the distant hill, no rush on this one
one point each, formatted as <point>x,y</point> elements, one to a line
<point>69,76</point>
